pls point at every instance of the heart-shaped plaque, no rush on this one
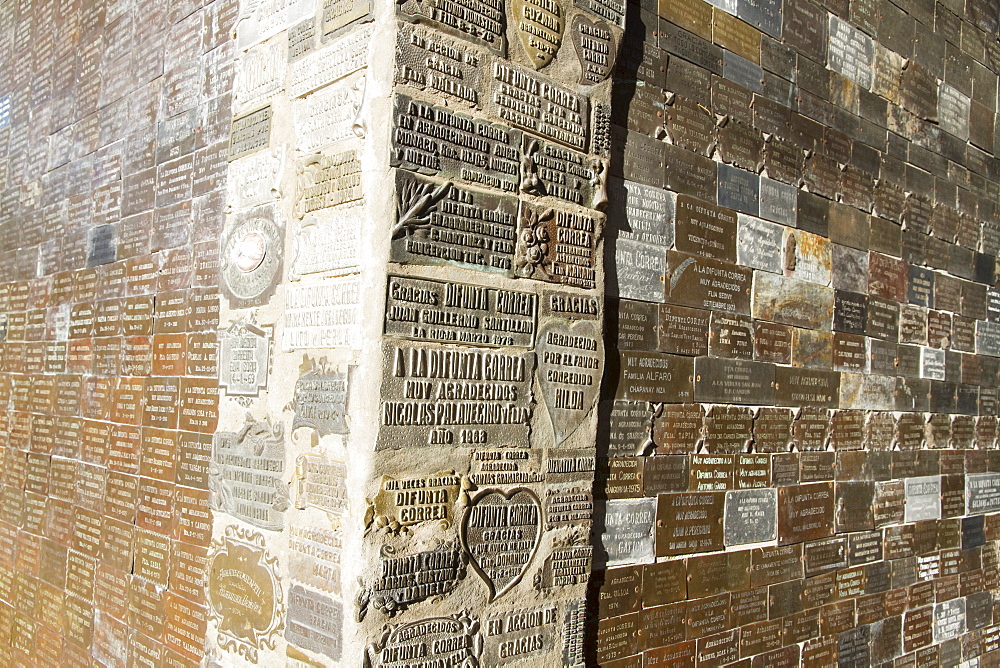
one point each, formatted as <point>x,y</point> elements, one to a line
<point>539,24</point>
<point>501,533</point>
<point>595,47</point>
<point>570,363</point>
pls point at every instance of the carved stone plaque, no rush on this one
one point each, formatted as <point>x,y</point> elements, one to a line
<point>501,533</point>
<point>322,314</point>
<point>453,640</point>
<point>570,364</point>
<point>442,223</point>
<point>406,502</point>
<point>244,592</point>
<point>435,140</point>
<point>557,246</point>
<point>454,396</point>
<point>595,47</point>
<point>315,622</point>
<point>527,101</point>
<point>451,312</point>
<point>248,468</point>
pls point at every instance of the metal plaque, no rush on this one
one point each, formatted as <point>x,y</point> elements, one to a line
<point>656,377</point>
<point>691,126</point>
<point>805,512</point>
<point>635,327</point>
<point>250,132</point>
<point>435,140</point>
<point>638,212</point>
<point>690,173</point>
<point>638,271</point>
<point>523,99</point>
<point>628,535</point>
<point>731,335</point>
<point>772,342</point>
<point>738,189</point>
<point>689,523</point>
<point>734,381</point>
<point>557,246</point>
<point>682,331</point>
<point>705,229</point>
<point>451,312</point>
<point>883,319</point>
<point>793,302</point>
<point>850,52</point>
<point>706,283</point>
<point>758,242</point>
<point>442,223</point>
<point>728,430</point>
<point>740,144</point>
<point>642,158</point>
<point>750,516</point>
<point>806,387</point>
<point>678,428</point>
<point>778,201</point>
<point>772,430</point>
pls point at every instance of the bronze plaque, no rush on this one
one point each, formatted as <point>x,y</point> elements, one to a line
<point>689,523</point>
<point>678,427</point>
<point>772,430</point>
<point>635,327</point>
<point>691,126</point>
<point>731,335</point>
<point>705,229</point>
<point>688,173</point>
<point>770,565</point>
<point>805,512</point>
<point>682,331</point>
<point>772,342</point>
<point>806,387</point>
<point>655,377</point>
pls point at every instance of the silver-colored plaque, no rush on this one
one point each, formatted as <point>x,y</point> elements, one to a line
<point>639,212</point>
<point>851,52</point>
<point>628,535</point>
<point>252,257</point>
<point>778,201</point>
<point>982,493</point>
<point>751,516</point>
<point>758,244</point>
<point>738,189</point>
<point>639,270</point>
<point>243,359</point>
<point>923,498</point>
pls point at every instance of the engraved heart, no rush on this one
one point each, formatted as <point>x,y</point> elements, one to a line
<point>501,533</point>
<point>539,24</point>
<point>595,47</point>
<point>569,372</point>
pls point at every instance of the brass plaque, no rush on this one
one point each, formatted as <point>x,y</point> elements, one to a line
<point>678,427</point>
<point>688,523</point>
<point>734,381</point>
<point>682,331</point>
<point>655,377</point>
<point>705,229</point>
<point>805,512</point>
<point>688,173</point>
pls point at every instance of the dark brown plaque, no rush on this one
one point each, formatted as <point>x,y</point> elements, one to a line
<point>734,381</point>
<point>683,331</point>
<point>678,427</point>
<point>655,377</point>
<point>805,512</point>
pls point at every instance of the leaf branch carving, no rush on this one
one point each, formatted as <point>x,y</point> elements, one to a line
<point>415,202</point>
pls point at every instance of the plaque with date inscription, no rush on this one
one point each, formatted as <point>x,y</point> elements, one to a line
<point>557,246</point>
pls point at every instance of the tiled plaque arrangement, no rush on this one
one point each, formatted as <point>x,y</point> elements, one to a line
<point>797,450</point>
<point>114,125</point>
<point>499,332</point>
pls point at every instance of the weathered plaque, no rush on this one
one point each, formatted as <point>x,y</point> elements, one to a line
<point>320,398</point>
<point>315,622</point>
<point>423,310</point>
<point>557,246</point>
<point>705,229</point>
<point>655,377</point>
<point>923,498</point>
<point>759,243</point>
<point>248,466</point>
<point>793,302</point>
<point>406,502</point>
<point>250,132</point>
<point>682,331</point>
<point>525,100</point>
<point>690,126</point>
<point>689,523</point>
<point>750,516</point>
<point>454,396</point>
<point>635,327</point>
<point>734,381</point>
<point>638,212</point>
<point>435,140</point>
<point>851,52</point>
<point>322,314</point>
<point>243,359</point>
<point>570,366</point>
<point>638,272</point>
<point>501,533</point>
<point>252,257</point>
<point>449,640</point>
<point>244,592</point>
<point>442,223</point>
<point>706,283</point>
<point>738,189</point>
<point>595,47</point>
<point>805,512</point>
<point>483,23</point>
<point>628,534</point>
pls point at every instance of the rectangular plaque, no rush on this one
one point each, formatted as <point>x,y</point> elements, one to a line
<point>250,132</point>
<point>436,140</point>
<point>443,223</point>
<point>635,327</point>
<point>851,52</point>
<point>805,512</point>
<point>570,255</point>
<point>682,331</point>
<point>759,243</point>
<point>707,283</point>
<point>655,377</point>
<point>424,310</point>
<point>639,212</point>
<point>734,381</point>
<point>638,271</point>
<point>524,99</point>
<point>705,229</point>
<point>689,173</point>
<point>433,394</point>
<point>738,189</point>
<point>688,523</point>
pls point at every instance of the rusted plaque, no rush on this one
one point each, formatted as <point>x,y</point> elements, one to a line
<point>731,335</point>
<point>690,522</point>
<point>691,126</point>
<point>678,427</point>
<point>772,342</point>
<point>805,512</point>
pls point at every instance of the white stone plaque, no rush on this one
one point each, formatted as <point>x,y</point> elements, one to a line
<point>335,61</point>
<point>327,116</point>
<point>322,314</point>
